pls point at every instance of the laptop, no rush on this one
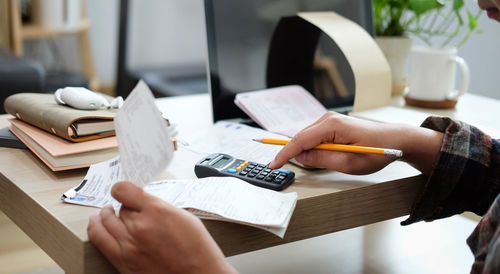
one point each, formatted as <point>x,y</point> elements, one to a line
<point>259,44</point>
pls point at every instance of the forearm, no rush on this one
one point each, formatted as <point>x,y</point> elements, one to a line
<point>420,146</point>
<point>465,175</point>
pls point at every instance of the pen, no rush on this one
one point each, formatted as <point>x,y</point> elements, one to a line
<point>340,147</point>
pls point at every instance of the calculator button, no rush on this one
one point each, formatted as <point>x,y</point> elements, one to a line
<point>251,174</point>
<point>260,177</point>
<point>243,173</point>
<point>261,165</point>
<point>269,179</point>
<point>238,168</point>
<point>258,168</point>
<point>267,170</point>
<point>275,172</point>
<point>284,170</point>
<point>264,173</point>
<point>231,170</point>
<point>281,177</point>
<point>247,169</point>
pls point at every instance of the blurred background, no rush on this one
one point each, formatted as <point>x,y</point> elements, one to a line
<point>108,45</point>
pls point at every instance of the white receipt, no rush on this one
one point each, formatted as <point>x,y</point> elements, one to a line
<point>143,141</point>
<point>229,199</point>
<point>236,140</point>
<point>217,198</point>
<point>284,110</point>
<point>95,188</point>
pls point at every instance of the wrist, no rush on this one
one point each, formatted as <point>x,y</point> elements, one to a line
<point>420,146</point>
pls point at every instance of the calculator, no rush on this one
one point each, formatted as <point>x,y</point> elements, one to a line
<point>261,175</point>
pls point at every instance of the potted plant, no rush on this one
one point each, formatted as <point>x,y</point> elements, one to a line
<point>397,21</point>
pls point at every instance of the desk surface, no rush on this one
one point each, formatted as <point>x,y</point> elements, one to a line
<point>328,201</point>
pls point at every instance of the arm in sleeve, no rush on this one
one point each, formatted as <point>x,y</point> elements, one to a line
<point>465,177</point>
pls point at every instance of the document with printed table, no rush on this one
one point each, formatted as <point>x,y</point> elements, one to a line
<point>234,139</point>
<point>285,110</point>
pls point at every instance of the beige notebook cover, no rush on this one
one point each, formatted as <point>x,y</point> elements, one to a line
<point>42,111</point>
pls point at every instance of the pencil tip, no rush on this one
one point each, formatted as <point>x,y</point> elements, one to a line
<point>257,140</point>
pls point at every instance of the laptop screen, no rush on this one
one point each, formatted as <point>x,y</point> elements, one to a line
<point>258,44</point>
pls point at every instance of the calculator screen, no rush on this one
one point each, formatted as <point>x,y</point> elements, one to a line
<point>221,162</point>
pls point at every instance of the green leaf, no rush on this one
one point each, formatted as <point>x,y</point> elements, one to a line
<point>459,18</point>
<point>422,6</point>
<point>472,21</point>
<point>458,4</point>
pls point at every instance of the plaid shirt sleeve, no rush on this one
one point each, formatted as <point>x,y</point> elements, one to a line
<point>466,177</point>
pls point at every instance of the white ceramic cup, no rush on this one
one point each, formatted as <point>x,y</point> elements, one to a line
<point>432,74</point>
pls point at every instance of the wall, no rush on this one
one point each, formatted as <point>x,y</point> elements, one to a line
<point>170,32</point>
<point>160,33</point>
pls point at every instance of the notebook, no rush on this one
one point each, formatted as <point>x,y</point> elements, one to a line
<point>60,154</point>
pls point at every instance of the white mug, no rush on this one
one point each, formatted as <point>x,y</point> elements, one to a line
<point>432,73</point>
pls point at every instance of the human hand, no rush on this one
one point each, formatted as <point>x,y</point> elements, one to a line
<point>492,8</point>
<point>152,236</point>
<point>420,146</point>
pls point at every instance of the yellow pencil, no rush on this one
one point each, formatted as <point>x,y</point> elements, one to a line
<point>339,147</point>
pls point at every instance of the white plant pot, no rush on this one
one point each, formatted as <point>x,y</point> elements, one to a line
<point>60,15</point>
<point>396,49</point>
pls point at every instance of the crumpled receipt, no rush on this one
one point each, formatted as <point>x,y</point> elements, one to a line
<point>144,143</point>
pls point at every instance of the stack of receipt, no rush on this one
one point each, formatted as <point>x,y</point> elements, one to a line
<point>217,198</point>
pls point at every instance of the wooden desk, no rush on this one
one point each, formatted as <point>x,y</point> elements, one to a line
<point>328,201</point>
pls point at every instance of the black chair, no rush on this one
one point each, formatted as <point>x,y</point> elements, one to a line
<point>25,75</point>
<point>19,75</point>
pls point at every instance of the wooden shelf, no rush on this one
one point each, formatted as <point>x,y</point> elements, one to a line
<point>33,32</point>
<point>22,32</point>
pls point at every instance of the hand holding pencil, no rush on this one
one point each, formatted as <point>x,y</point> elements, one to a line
<point>340,147</point>
<point>350,145</point>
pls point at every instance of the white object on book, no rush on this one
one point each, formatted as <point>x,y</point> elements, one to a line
<point>234,139</point>
<point>284,110</point>
<point>80,98</point>
<point>144,143</point>
<point>217,198</point>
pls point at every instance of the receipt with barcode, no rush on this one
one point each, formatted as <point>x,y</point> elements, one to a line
<point>95,188</point>
<point>144,143</point>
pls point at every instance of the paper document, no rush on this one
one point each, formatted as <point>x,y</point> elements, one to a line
<point>284,110</point>
<point>143,140</point>
<point>95,189</point>
<point>236,140</point>
<point>218,198</point>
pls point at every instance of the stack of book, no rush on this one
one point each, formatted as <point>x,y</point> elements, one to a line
<point>63,137</point>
